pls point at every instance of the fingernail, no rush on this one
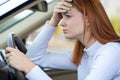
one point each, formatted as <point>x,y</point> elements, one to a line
<point>64,10</point>
<point>68,8</point>
<point>70,5</point>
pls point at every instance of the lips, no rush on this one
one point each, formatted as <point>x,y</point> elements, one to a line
<point>64,30</point>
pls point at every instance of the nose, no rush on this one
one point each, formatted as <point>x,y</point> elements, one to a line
<point>62,23</point>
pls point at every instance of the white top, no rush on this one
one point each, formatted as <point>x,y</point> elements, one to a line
<point>99,62</point>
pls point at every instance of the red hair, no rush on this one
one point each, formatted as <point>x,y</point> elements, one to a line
<point>101,27</point>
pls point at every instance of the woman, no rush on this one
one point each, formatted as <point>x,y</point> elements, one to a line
<point>97,51</point>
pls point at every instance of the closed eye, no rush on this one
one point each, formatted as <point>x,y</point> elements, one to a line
<point>68,16</point>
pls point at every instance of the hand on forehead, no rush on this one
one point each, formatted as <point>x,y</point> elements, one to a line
<point>67,0</point>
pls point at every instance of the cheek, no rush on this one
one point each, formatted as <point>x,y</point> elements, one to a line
<point>77,26</point>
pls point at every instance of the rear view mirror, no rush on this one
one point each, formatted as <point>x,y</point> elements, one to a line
<point>42,6</point>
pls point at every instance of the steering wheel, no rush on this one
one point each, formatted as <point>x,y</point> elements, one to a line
<point>14,41</point>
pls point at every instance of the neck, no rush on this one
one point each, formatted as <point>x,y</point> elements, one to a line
<point>87,42</point>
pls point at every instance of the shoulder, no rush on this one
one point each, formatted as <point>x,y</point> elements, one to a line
<point>108,54</point>
<point>110,48</point>
<point>106,59</point>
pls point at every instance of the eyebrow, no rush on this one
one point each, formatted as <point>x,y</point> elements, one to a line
<point>68,12</point>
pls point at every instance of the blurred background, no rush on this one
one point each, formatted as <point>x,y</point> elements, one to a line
<point>112,8</point>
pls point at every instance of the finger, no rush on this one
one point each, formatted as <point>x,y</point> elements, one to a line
<point>61,8</point>
<point>9,62</point>
<point>9,49</point>
<point>67,0</point>
<point>8,55</point>
<point>67,4</point>
<point>8,58</point>
<point>60,11</point>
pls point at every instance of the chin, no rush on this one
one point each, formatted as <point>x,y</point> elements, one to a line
<point>69,37</point>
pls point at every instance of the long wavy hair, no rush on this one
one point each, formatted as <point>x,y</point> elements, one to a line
<point>101,27</point>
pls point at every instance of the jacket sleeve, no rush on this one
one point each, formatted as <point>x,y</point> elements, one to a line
<point>37,74</point>
<point>39,55</point>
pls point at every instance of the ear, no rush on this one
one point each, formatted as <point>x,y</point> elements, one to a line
<point>87,22</point>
